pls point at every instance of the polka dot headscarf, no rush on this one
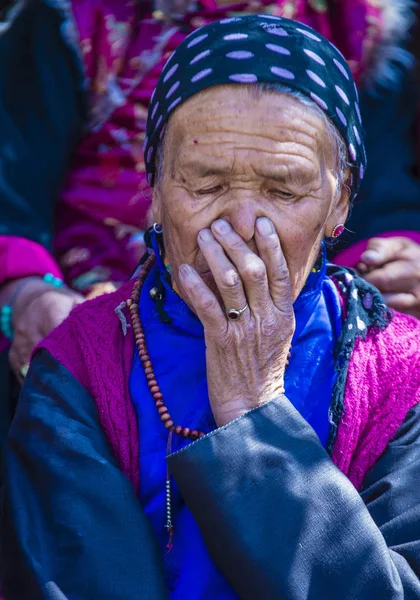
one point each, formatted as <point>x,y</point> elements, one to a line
<point>264,49</point>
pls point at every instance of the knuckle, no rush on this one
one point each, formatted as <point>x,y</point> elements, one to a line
<point>283,272</point>
<point>230,279</point>
<point>206,303</point>
<point>255,272</point>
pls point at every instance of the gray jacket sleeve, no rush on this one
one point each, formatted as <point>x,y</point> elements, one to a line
<point>282,522</point>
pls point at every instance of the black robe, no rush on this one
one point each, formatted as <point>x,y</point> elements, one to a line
<point>279,519</point>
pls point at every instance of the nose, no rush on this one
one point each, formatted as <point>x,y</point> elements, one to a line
<point>242,213</point>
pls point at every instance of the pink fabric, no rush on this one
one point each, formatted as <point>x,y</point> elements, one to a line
<point>351,256</point>
<point>106,196</point>
<point>20,257</point>
<point>383,382</point>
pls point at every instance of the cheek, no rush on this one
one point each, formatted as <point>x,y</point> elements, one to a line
<point>301,233</point>
<point>180,227</point>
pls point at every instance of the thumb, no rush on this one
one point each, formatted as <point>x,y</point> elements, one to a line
<point>380,251</point>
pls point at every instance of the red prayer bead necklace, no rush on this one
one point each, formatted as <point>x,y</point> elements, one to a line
<point>165,416</point>
<point>133,305</point>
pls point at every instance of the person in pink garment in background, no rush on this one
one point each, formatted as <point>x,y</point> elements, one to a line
<point>73,115</point>
<point>383,237</point>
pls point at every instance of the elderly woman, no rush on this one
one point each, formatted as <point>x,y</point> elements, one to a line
<point>94,66</point>
<point>297,387</point>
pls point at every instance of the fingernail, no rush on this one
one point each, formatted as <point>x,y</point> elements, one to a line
<point>221,227</point>
<point>371,256</point>
<point>185,271</point>
<point>205,235</point>
<point>265,226</point>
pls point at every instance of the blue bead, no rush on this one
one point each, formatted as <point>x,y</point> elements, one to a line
<point>49,278</point>
<point>6,321</point>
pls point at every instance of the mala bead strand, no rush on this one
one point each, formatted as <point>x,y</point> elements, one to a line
<point>133,306</point>
<point>165,417</point>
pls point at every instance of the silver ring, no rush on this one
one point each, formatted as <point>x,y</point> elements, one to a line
<point>234,314</point>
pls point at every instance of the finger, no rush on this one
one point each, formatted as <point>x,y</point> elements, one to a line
<point>363,268</point>
<point>202,300</point>
<point>405,303</point>
<point>270,250</point>
<point>251,267</point>
<point>394,277</point>
<point>380,251</point>
<point>224,272</point>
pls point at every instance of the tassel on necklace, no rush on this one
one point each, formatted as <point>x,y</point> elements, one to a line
<point>169,526</point>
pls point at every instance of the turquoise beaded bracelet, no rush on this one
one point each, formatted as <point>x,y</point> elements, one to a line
<point>6,311</point>
<point>6,321</point>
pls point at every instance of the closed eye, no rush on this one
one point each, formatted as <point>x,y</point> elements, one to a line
<point>208,191</point>
<point>282,194</point>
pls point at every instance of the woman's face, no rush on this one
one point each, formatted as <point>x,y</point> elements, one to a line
<point>233,154</point>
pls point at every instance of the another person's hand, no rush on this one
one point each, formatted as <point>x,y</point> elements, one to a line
<point>246,359</point>
<point>38,309</point>
<point>393,266</point>
<point>99,289</point>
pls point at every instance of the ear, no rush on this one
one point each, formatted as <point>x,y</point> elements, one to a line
<point>339,210</point>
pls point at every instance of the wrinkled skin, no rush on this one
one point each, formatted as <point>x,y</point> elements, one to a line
<point>246,195</point>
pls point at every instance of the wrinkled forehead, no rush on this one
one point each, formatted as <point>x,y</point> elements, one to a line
<point>243,118</point>
<point>269,107</point>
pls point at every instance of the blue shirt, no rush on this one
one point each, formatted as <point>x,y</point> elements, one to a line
<point>177,351</point>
